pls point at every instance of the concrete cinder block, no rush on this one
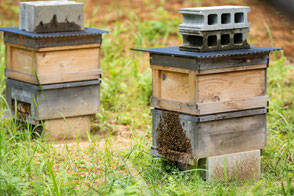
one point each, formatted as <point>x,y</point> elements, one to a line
<point>68,128</point>
<point>239,166</point>
<point>214,18</point>
<point>51,16</point>
<point>22,19</point>
<point>205,41</point>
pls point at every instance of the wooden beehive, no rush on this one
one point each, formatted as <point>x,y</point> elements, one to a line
<point>208,83</point>
<point>52,57</point>
<point>186,138</point>
<point>34,103</point>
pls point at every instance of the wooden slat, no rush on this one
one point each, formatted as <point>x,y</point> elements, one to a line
<point>174,105</point>
<point>192,87</point>
<point>70,76</point>
<point>68,60</point>
<point>21,59</point>
<point>232,105</point>
<point>156,82</point>
<point>54,78</point>
<point>58,48</point>
<point>171,69</point>
<point>232,85</point>
<point>175,86</point>
<point>25,77</point>
<point>231,69</point>
<point>8,55</point>
<point>231,136</point>
<point>68,102</point>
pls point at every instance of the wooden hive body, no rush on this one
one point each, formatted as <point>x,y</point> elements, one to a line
<point>208,83</point>
<point>52,101</point>
<point>209,135</point>
<point>221,89</point>
<point>52,57</point>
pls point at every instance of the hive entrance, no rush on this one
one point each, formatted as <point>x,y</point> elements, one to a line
<point>23,109</point>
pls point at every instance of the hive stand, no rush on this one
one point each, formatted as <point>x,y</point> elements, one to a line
<point>208,82</point>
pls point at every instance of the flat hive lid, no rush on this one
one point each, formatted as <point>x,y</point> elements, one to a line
<point>174,51</point>
<point>86,32</point>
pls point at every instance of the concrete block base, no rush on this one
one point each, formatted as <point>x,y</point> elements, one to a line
<point>238,166</point>
<point>68,128</point>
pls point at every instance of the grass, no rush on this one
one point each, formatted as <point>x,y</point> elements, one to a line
<point>35,167</point>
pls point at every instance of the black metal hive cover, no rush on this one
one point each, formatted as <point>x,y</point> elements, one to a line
<point>86,32</point>
<point>174,51</point>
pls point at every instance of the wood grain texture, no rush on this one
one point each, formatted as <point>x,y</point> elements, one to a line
<point>174,106</point>
<point>231,136</point>
<point>156,83</point>
<point>231,69</point>
<point>212,91</point>
<point>232,105</point>
<point>53,64</point>
<point>21,60</point>
<point>220,135</point>
<point>175,86</point>
<point>230,86</point>
<point>68,102</point>
<point>192,88</point>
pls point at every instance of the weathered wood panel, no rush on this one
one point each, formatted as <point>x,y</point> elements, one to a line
<point>219,134</point>
<point>68,102</point>
<point>174,106</point>
<point>231,136</point>
<point>21,60</point>
<point>209,63</point>
<point>209,91</point>
<point>232,85</point>
<point>56,100</point>
<point>51,42</point>
<point>232,105</point>
<point>53,64</point>
<point>175,86</point>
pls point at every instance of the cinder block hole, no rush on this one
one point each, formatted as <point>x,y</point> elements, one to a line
<point>212,19</point>
<point>226,18</point>
<point>22,108</point>
<point>225,39</point>
<point>239,17</point>
<point>193,40</point>
<point>238,38</point>
<point>212,40</point>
